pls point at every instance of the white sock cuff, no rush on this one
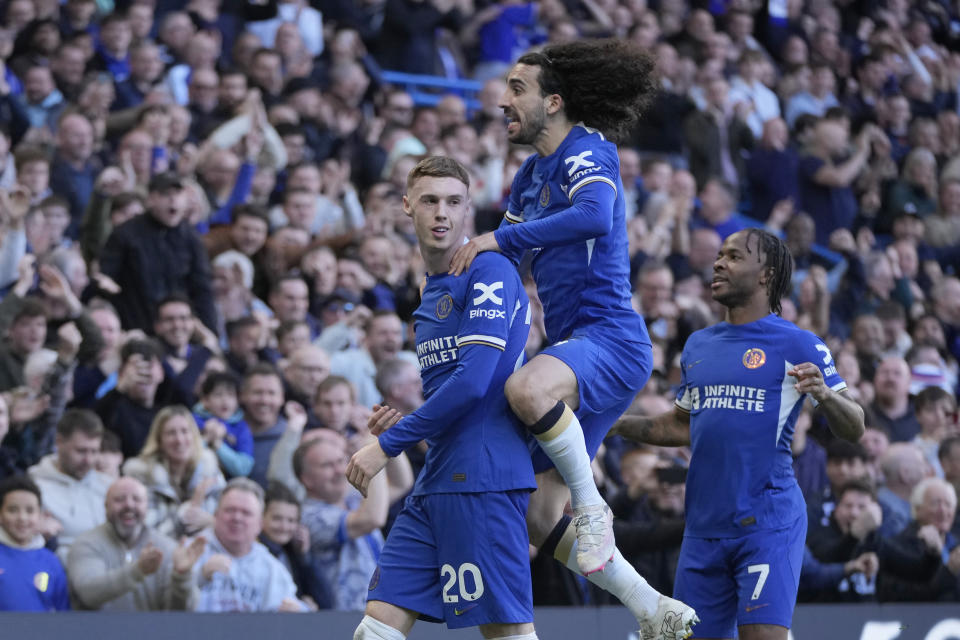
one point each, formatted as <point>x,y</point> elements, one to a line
<point>372,629</point>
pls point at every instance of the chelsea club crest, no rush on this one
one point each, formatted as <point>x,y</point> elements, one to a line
<point>444,306</point>
<point>545,195</point>
<point>754,358</point>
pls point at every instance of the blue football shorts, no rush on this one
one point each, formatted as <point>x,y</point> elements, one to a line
<point>459,557</point>
<point>610,368</point>
<point>751,579</point>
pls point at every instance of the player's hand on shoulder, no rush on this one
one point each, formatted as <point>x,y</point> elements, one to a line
<point>809,380</point>
<point>382,418</point>
<point>464,256</point>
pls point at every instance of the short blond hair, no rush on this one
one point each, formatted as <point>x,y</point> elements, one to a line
<point>438,167</point>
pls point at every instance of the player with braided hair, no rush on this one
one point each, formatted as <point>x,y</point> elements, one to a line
<point>742,387</point>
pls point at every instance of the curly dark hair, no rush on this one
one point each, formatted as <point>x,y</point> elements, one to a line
<point>606,84</point>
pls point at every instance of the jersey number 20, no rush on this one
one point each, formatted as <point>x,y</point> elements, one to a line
<point>455,577</point>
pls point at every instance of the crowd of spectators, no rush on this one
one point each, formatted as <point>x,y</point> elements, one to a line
<point>207,278</point>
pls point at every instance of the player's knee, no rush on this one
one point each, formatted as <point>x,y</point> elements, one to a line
<point>517,389</point>
<point>372,629</point>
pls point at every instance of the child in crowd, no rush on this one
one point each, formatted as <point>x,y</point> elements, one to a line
<point>33,172</point>
<point>32,578</point>
<point>221,421</point>
<point>289,542</point>
<point>56,213</point>
<point>110,457</point>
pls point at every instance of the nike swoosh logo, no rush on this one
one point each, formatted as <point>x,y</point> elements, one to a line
<point>460,612</point>
<point>748,608</point>
<point>695,362</point>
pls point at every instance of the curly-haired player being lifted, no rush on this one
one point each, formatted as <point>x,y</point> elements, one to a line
<point>743,384</point>
<point>566,204</point>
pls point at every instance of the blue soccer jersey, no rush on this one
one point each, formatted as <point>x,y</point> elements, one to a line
<point>743,407</point>
<point>568,208</point>
<point>470,331</point>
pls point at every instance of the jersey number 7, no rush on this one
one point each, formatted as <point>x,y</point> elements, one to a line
<point>764,571</point>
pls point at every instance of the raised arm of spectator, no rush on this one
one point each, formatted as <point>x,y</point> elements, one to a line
<point>601,23</point>
<point>843,174</point>
<point>344,193</point>
<point>902,291</point>
<point>680,235</point>
<point>182,591</point>
<point>470,33</point>
<point>95,227</point>
<point>916,64</point>
<point>252,145</point>
<point>232,131</point>
<point>820,313</point>
<point>56,386</point>
<point>280,467</point>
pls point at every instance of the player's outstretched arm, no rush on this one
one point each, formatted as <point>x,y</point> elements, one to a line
<point>671,429</point>
<point>590,215</point>
<point>844,416</point>
<point>460,393</point>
